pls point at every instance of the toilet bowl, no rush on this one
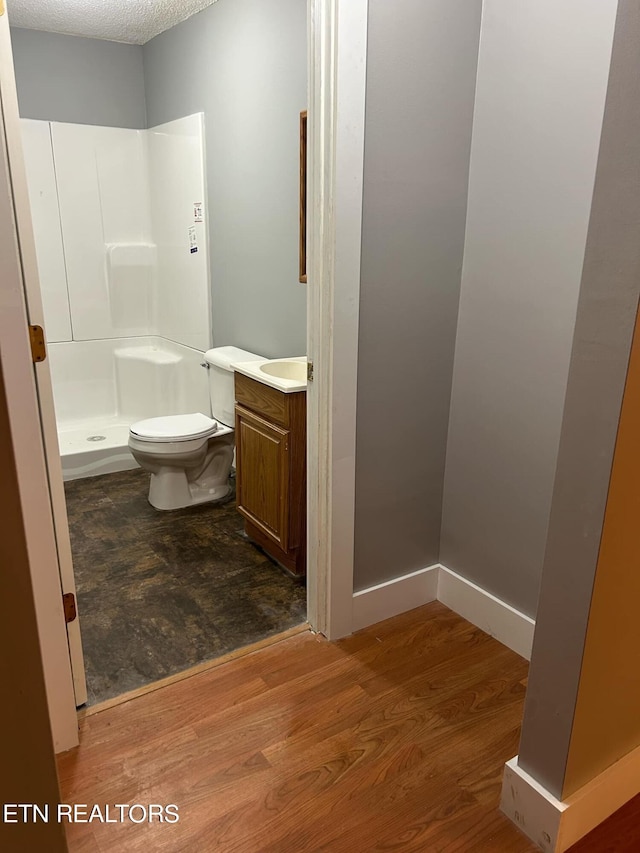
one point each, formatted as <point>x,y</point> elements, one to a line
<point>189,456</point>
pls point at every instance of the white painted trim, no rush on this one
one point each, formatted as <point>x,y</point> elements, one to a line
<point>496,617</point>
<point>489,613</point>
<point>530,806</point>
<point>24,415</point>
<point>396,596</point>
<point>555,825</point>
<point>320,122</point>
<point>43,382</point>
<point>337,79</point>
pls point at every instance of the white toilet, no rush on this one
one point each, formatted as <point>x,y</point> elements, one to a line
<point>189,456</point>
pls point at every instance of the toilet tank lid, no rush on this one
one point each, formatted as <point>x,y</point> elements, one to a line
<point>226,356</point>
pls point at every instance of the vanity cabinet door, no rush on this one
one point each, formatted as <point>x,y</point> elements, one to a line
<point>262,481</point>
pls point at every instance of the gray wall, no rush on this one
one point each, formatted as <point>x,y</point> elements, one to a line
<point>605,323</point>
<point>243,63</point>
<point>81,80</point>
<point>421,71</point>
<point>542,77</point>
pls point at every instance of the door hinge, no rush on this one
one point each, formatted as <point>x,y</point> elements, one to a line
<point>69,605</point>
<point>1,8</point>
<point>309,371</point>
<point>38,347</point>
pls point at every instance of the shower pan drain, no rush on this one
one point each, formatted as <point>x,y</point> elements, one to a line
<point>96,438</point>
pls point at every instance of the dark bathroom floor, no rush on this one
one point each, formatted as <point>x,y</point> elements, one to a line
<point>159,592</point>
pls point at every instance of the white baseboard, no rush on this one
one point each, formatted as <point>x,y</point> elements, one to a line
<point>389,599</point>
<point>487,612</point>
<point>556,825</point>
<point>473,603</point>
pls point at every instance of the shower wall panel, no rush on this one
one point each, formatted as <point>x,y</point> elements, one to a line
<point>43,197</point>
<point>103,193</point>
<point>178,224</point>
<point>120,228</point>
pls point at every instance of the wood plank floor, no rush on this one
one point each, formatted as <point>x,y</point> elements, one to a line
<point>391,740</point>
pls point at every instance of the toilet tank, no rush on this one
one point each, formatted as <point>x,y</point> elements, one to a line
<point>221,390</point>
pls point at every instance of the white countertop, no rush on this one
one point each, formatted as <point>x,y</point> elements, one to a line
<point>255,370</point>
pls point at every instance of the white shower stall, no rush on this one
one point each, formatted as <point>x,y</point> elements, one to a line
<point>123,258</point>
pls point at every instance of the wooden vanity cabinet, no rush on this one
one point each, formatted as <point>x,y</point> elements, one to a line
<point>271,477</point>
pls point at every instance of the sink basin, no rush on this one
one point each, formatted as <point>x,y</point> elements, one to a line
<point>296,370</point>
<point>285,374</point>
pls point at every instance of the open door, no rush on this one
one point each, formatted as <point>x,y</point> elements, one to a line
<point>33,300</point>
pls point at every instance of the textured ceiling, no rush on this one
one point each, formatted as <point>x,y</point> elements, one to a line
<point>132,21</point>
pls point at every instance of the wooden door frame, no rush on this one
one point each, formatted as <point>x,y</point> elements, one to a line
<point>337,45</point>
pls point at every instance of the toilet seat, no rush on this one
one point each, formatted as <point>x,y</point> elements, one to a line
<point>174,428</point>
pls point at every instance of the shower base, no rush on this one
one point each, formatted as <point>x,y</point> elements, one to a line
<point>93,447</point>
